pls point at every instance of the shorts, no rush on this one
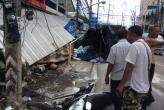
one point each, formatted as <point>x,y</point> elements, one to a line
<point>132,100</point>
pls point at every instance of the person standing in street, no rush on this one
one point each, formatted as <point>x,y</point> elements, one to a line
<point>116,66</point>
<point>135,80</point>
<point>153,35</point>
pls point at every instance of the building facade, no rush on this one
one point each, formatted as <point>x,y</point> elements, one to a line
<point>151,13</point>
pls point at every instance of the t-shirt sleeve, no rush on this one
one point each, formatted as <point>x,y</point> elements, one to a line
<point>132,55</point>
<point>112,55</point>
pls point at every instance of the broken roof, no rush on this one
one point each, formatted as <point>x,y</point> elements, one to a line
<point>41,36</point>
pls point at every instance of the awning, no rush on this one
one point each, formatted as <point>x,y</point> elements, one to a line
<point>41,38</point>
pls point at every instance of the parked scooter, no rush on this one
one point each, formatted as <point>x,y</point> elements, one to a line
<point>82,100</point>
<point>92,101</point>
<point>63,105</point>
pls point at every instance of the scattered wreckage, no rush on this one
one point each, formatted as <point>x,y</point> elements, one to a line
<point>53,76</point>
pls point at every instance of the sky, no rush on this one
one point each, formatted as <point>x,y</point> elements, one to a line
<point>119,8</point>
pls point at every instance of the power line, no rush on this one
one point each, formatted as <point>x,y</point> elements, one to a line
<point>24,31</point>
<point>103,14</point>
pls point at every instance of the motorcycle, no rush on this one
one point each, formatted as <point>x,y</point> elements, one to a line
<point>92,101</point>
<point>82,100</point>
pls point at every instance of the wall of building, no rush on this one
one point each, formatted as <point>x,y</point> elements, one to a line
<point>144,12</point>
<point>144,4</point>
<point>66,4</point>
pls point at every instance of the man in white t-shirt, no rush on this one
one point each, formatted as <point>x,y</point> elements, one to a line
<point>116,66</point>
<point>154,35</point>
<point>135,81</point>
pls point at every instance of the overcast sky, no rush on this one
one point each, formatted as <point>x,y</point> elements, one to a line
<point>117,8</point>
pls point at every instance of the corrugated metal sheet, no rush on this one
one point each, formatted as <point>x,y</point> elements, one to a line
<point>37,41</point>
<point>1,39</point>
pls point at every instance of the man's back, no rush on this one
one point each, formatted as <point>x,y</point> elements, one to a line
<point>117,57</point>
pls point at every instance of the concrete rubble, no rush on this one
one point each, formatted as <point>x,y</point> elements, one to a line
<point>65,80</point>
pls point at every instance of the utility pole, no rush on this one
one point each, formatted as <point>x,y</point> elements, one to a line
<point>98,10</point>
<point>108,13</point>
<point>12,40</point>
<point>90,13</point>
<point>144,22</point>
<point>57,6</point>
<point>66,7</point>
<point>133,17</point>
<point>158,12</point>
<point>77,13</point>
<point>123,19</point>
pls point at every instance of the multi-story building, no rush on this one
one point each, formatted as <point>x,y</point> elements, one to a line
<point>145,12</point>
<point>151,13</point>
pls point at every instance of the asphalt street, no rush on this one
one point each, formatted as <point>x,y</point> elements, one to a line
<point>158,84</point>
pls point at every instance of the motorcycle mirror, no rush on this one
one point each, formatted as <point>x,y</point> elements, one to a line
<point>88,106</point>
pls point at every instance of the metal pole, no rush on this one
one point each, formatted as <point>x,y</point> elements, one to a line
<point>66,6</point>
<point>57,6</point>
<point>90,13</point>
<point>108,13</point>
<point>98,10</point>
<point>134,17</point>
<point>144,23</point>
<point>158,11</point>
<point>12,40</point>
<point>77,13</point>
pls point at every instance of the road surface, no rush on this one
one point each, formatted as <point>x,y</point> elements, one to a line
<point>158,84</point>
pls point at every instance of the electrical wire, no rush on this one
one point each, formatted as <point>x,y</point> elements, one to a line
<point>24,33</point>
<point>103,38</point>
<point>35,22</point>
<point>49,30</point>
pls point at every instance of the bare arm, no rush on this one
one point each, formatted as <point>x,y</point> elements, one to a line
<point>154,42</point>
<point>127,74</point>
<point>109,69</point>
